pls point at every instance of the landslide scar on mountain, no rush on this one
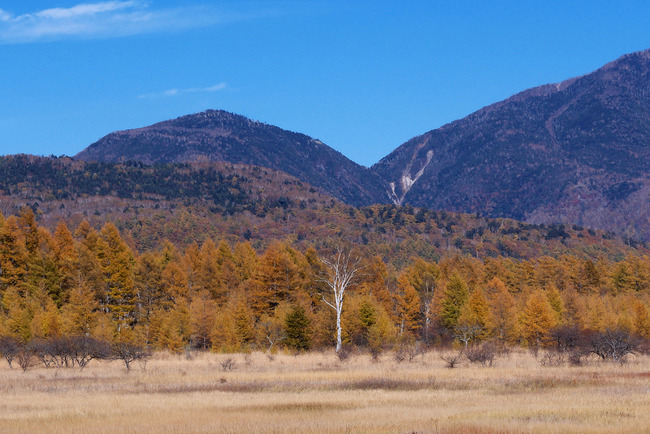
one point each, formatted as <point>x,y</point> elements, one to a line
<point>407,181</point>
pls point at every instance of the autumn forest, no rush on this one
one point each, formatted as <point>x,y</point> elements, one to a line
<point>230,297</point>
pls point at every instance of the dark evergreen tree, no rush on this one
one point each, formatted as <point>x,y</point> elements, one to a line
<point>298,329</point>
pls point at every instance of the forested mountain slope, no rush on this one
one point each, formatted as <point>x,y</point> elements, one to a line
<point>574,152</point>
<point>188,203</point>
<point>219,136</point>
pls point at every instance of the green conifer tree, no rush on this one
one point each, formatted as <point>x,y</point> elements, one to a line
<point>297,326</point>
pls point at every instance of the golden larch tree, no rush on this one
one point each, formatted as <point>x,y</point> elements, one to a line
<point>503,311</point>
<point>117,261</point>
<point>475,315</point>
<point>13,254</point>
<point>276,279</point>
<point>408,306</point>
<point>537,319</point>
<point>79,315</point>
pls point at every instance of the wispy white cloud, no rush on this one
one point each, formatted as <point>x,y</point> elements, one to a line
<point>178,92</point>
<point>108,19</point>
<point>84,9</point>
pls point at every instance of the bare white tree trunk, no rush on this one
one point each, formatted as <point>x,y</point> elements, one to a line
<point>341,271</point>
<point>338,328</point>
<point>427,319</point>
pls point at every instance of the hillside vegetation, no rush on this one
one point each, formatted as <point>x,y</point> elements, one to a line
<point>189,203</point>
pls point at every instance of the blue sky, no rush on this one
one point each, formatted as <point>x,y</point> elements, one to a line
<point>362,76</point>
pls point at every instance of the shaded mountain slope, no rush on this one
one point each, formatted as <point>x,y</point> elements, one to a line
<point>221,136</point>
<point>575,152</point>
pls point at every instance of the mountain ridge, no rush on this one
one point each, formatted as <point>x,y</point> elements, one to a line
<point>573,152</point>
<point>217,135</point>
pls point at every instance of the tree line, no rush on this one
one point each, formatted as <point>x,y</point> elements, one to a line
<point>90,282</point>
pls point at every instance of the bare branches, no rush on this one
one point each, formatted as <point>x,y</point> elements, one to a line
<point>467,332</point>
<point>452,359</point>
<point>345,266</point>
<point>129,352</point>
<point>341,270</point>
<point>614,344</point>
<point>26,357</point>
<point>273,341</point>
<point>9,348</point>
<point>328,303</point>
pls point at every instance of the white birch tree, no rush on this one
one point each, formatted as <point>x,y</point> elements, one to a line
<point>341,271</point>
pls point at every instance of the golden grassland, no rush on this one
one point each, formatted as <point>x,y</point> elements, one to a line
<point>316,392</point>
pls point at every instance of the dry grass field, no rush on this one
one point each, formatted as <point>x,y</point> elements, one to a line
<point>318,393</point>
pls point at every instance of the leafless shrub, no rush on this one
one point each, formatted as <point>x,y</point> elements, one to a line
<point>69,350</point>
<point>644,346</point>
<point>9,348</point>
<point>83,349</point>
<point>408,352</point>
<point>614,345</point>
<point>228,364</point>
<point>567,338</point>
<point>65,351</point>
<point>576,356</point>
<point>483,353</point>
<point>248,359</point>
<point>558,358</point>
<point>344,353</point>
<point>570,344</point>
<point>452,359</point>
<point>129,352</point>
<point>412,351</point>
<point>552,358</point>
<point>42,350</point>
<point>26,357</point>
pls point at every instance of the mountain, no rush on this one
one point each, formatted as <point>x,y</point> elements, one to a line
<point>575,152</point>
<point>216,135</point>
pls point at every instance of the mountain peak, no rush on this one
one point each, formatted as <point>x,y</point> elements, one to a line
<point>208,118</point>
<point>217,135</point>
<point>575,152</point>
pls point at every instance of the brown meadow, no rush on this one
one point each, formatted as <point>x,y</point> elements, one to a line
<point>316,392</point>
